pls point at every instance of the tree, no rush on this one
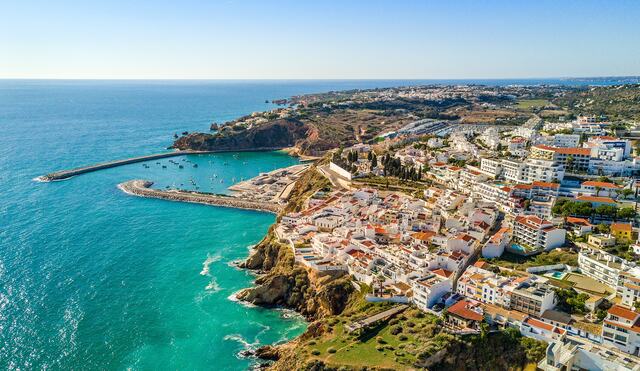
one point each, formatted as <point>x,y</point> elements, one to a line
<point>598,189</point>
<point>626,192</point>
<point>626,213</point>
<point>374,162</point>
<point>603,228</point>
<point>606,211</point>
<point>570,162</point>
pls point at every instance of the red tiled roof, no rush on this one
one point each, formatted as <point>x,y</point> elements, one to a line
<point>530,221</point>
<point>602,200</point>
<point>442,272</point>
<point>499,234</point>
<point>461,309</point>
<point>545,184</point>
<point>565,151</point>
<point>622,227</point>
<point>424,236</point>
<point>623,312</point>
<point>539,324</point>
<point>481,264</point>
<point>579,221</point>
<point>574,151</point>
<point>592,183</point>
<point>465,237</point>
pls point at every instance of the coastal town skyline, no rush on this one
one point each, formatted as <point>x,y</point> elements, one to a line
<point>330,40</point>
<point>338,185</point>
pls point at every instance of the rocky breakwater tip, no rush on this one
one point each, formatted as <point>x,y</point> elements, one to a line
<point>142,188</point>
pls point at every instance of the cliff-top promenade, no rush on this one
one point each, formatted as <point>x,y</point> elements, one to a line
<point>142,188</point>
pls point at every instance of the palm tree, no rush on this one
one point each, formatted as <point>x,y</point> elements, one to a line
<point>598,189</point>
<point>570,161</point>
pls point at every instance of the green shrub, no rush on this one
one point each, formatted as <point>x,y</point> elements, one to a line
<point>395,330</point>
<point>403,338</point>
<point>315,352</point>
<point>331,350</point>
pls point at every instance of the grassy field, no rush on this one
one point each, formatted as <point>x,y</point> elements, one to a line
<point>392,345</point>
<point>532,103</point>
<point>557,256</point>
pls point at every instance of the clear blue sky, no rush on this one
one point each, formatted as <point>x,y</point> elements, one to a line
<point>318,39</point>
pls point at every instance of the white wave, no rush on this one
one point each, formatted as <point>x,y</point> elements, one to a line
<point>290,314</point>
<point>205,265</point>
<point>213,286</point>
<point>234,297</point>
<point>242,341</point>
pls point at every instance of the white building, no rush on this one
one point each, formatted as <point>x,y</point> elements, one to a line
<point>566,140</point>
<point>533,298</point>
<point>495,246</point>
<point>428,290</point>
<point>604,267</point>
<point>533,235</point>
<point>621,329</point>
<point>567,354</point>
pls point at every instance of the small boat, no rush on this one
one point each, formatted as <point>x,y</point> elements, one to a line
<point>164,166</point>
<point>181,167</point>
<point>195,165</point>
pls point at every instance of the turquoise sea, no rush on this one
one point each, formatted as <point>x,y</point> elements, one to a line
<point>91,278</point>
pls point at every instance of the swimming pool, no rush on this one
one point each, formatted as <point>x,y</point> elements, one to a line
<point>557,275</point>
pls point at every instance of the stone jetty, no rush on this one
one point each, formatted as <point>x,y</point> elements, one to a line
<point>142,188</point>
<point>64,174</point>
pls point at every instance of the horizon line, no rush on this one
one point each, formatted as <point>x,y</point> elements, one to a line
<point>318,79</point>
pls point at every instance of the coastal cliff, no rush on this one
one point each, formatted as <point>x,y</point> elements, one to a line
<point>273,135</point>
<point>287,284</point>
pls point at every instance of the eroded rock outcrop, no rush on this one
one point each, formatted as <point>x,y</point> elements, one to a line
<point>273,135</point>
<point>284,283</point>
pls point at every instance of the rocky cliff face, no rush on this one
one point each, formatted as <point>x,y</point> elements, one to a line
<point>284,283</point>
<point>275,134</point>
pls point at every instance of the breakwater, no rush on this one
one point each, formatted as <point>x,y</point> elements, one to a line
<point>65,174</point>
<point>142,188</point>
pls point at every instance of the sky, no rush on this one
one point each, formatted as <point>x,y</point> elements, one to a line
<point>328,39</point>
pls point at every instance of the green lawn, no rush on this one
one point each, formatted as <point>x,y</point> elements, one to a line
<point>376,346</point>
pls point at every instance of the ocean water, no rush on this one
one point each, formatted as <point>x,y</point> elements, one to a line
<point>91,278</point>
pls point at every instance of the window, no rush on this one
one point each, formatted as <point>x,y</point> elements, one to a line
<point>621,338</point>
